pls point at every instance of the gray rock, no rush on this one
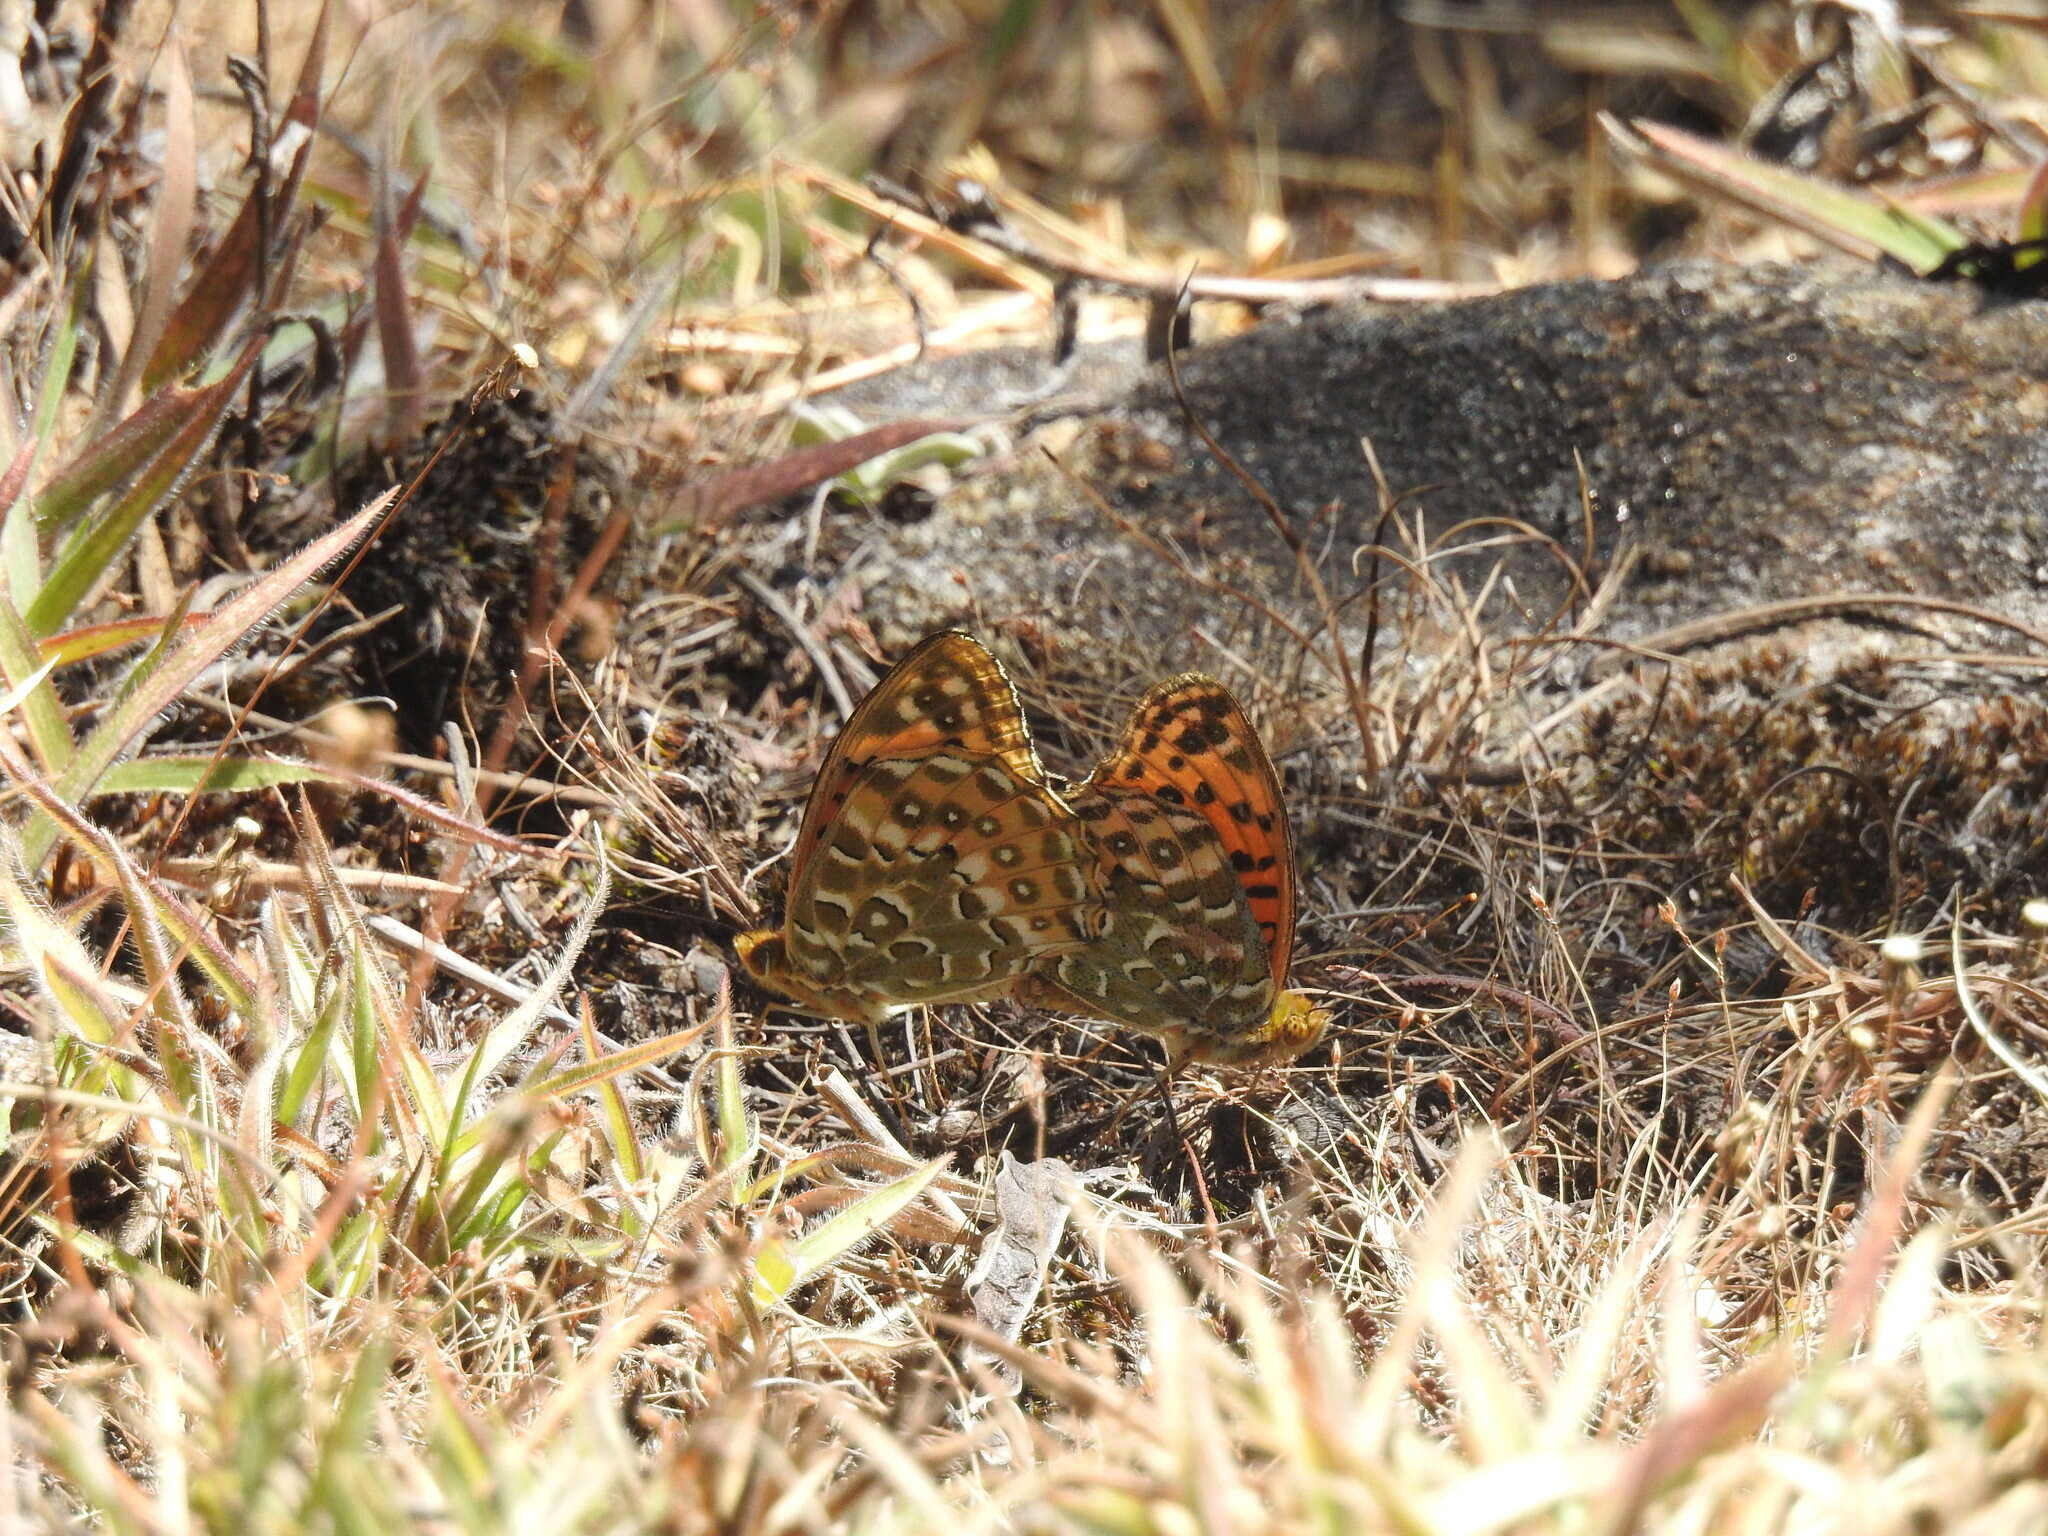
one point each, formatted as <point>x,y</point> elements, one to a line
<point>1759,434</point>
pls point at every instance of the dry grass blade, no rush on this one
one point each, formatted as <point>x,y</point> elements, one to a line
<point>1333,634</point>
<point>1657,1178</point>
<point>404,373</point>
<point>169,237</point>
<point>511,1032</point>
<point>236,274</point>
<point>710,503</point>
<point>1859,225</point>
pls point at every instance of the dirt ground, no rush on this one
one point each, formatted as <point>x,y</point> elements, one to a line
<point>1652,642</point>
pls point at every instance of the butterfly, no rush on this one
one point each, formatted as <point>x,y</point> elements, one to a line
<point>935,862</point>
<point>1195,883</point>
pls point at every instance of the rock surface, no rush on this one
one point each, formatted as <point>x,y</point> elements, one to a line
<point>1587,789</point>
<point>1758,434</point>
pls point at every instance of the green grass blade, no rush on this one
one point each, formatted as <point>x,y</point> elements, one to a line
<point>93,640</point>
<point>131,719</point>
<point>85,560</point>
<point>1862,226</point>
<point>611,1067</point>
<point>113,459</point>
<point>200,774</point>
<point>27,676</point>
<point>311,1059</point>
<point>619,1131</point>
<point>348,1441</point>
<point>20,552</point>
<point>782,1264</point>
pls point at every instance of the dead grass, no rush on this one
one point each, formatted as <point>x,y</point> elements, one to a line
<point>387,1148</point>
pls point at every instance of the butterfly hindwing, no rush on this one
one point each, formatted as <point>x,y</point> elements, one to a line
<point>934,861</point>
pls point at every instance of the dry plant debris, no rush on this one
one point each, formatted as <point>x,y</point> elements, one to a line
<point>424,608</point>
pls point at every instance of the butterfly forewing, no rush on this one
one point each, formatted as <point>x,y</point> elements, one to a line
<point>1189,744</point>
<point>948,692</point>
<point>939,880</point>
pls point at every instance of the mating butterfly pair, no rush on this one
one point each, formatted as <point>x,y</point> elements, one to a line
<point>938,863</point>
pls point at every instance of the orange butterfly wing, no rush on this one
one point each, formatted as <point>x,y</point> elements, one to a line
<point>1195,875</point>
<point>1189,744</point>
<point>950,691</point>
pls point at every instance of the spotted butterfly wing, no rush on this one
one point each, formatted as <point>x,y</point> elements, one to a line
<point>1195,874</point>
<point>933,861</point>
<point>1190,747</point>
<point>950,691</point>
